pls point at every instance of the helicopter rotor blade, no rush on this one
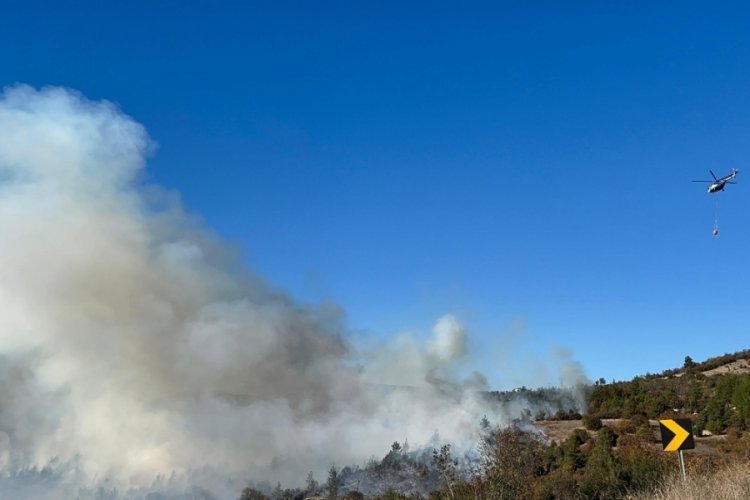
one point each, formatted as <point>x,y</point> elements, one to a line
<point>701,181</point>
<point>712,175</point>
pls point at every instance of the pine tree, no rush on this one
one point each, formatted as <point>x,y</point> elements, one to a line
<point>334,482</point>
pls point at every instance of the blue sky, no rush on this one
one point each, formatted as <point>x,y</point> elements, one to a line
<point>525,166</point>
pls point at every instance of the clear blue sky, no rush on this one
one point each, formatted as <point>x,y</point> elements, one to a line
<point>515,164</point>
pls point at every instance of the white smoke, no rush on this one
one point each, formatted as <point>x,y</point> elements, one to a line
<point>132,344</point>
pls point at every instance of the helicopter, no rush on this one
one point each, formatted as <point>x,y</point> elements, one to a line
<point>719,184</point>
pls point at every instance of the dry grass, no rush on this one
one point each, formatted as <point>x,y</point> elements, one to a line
<point>559,430</point>
<point>732,482</point>
<point>738,367</point>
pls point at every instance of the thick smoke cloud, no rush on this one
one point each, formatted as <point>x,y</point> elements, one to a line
<point>133,344</point>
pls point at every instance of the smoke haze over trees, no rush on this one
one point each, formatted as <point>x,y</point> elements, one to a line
<point>138,354</point>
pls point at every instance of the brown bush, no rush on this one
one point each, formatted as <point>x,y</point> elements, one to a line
<point>592,422</point>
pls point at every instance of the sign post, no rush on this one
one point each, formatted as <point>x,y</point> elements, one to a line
<point>677,435</point>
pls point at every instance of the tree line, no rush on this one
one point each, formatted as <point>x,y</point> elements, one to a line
<point>605,459</point>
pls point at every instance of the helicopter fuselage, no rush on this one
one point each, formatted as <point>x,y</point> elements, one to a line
<point>718,184</point>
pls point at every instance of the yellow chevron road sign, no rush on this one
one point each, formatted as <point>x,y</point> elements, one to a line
<point>677,434</point>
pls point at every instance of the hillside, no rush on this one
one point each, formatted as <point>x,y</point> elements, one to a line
<point>612,450</point>
<point>714,394</point>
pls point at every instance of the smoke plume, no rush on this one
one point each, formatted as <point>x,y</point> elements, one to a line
<point>134,346</point>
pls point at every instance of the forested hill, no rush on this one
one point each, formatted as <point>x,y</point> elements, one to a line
<point>561,449</point>
<point>714,394</point>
